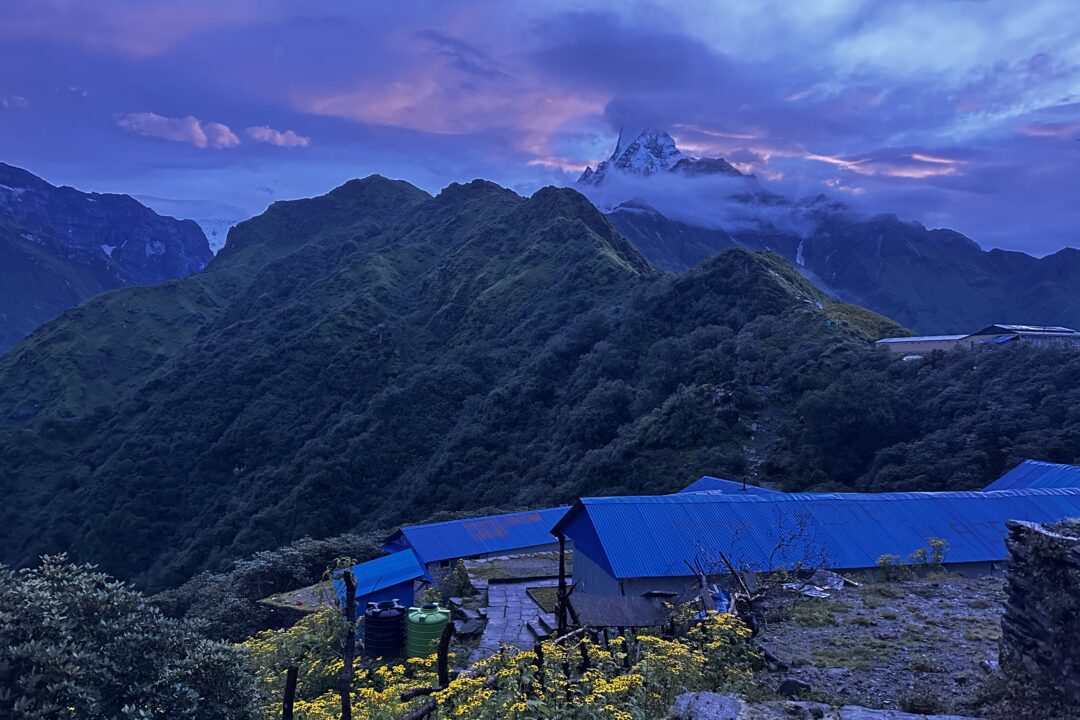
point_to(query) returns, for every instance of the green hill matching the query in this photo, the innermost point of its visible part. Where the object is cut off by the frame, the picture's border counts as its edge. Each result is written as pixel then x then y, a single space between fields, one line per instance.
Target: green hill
pixel 376 355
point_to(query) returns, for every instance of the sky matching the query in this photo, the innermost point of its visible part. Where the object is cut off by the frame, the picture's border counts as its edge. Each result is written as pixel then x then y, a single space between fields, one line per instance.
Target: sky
pixel 961 114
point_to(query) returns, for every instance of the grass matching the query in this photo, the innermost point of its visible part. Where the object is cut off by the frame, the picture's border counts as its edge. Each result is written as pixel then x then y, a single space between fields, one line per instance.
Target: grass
pixel 872 602
pixel 546 597
pixel 856 654
pixel 818 612
pixel 924 663
pixel 884 590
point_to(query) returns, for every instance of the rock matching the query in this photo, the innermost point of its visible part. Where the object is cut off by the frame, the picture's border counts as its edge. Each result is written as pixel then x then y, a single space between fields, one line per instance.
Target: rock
pixel 792 687
pixel 468 628
pixel 813 710
pixel 854 712
pixel 706 706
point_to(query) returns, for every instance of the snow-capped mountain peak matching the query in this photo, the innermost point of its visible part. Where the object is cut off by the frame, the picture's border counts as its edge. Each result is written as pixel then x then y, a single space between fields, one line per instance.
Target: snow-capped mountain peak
pixel 649 151
pixel 645 152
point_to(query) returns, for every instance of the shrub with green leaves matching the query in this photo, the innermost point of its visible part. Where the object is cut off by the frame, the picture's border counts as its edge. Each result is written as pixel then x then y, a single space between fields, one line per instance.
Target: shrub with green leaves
pixel 75 644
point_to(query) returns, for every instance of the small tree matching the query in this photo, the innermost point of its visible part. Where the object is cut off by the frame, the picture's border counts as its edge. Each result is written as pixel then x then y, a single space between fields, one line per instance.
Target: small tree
pixel 76 643
pixel 458 583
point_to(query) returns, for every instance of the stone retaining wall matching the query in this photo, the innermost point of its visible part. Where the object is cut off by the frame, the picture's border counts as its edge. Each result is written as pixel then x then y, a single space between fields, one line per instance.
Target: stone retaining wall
pixel 1040 630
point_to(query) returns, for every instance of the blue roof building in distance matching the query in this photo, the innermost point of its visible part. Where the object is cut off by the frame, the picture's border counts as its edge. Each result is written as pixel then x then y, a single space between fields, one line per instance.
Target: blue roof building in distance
pixel 633 545
pixel 490 535
pixel 1037 474
pixel 707 483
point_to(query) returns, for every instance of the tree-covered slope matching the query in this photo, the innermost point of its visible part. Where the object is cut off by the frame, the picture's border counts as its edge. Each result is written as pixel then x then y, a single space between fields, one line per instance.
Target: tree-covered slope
pixel 373 356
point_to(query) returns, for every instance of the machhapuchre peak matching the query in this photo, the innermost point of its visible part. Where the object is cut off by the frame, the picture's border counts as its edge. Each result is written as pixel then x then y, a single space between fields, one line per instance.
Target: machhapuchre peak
pixel 933 281
pixel 660 361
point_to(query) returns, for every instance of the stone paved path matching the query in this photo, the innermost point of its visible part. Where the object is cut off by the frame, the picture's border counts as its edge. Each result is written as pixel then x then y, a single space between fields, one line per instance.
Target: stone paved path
pixel 509 608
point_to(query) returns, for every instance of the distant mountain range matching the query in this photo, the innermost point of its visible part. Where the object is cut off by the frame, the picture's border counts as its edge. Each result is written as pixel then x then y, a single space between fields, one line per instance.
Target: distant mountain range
pixel 933 281
pixel 60 246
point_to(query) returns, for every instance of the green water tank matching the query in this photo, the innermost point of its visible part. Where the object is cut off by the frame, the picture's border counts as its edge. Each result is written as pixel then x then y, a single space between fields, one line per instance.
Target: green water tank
pixel 425 626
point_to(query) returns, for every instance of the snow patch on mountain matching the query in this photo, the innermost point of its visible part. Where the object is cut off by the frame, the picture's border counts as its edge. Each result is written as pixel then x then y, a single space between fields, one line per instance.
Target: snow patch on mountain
pixel 216 231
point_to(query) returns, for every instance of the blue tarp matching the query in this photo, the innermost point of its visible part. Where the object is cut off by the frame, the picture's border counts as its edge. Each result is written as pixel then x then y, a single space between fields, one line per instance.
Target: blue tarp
pixel 393 572
pixel 720 485
pixel 477 536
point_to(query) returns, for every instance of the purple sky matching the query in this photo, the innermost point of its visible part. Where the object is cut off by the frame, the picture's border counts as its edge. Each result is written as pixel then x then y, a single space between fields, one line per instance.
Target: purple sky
pixel 957 114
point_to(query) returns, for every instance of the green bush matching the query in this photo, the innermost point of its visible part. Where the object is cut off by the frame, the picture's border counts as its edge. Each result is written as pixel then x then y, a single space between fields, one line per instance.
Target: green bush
pixel 76 644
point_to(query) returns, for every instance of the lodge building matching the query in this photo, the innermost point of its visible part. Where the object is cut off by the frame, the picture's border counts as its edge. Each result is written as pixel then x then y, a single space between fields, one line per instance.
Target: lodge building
pixel 988 338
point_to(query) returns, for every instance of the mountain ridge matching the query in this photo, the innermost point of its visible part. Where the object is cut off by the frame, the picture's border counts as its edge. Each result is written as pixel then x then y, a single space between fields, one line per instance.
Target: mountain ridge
pixel 60 246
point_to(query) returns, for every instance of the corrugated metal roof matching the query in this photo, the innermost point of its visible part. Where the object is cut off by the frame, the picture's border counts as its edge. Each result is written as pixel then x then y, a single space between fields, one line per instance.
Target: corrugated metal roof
pixel 384 572
pixel 1055 330
pixel 1037 329
pixel 922 338
pixel 1037 474
pixel 655 536
pixel 478 536
pixel 720 485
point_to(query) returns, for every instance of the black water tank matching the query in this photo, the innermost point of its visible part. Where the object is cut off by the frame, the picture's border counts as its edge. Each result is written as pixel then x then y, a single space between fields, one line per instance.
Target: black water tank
pixel 384 629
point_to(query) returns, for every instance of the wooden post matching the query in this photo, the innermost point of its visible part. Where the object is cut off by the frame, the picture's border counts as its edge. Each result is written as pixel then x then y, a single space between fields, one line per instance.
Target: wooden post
pixel 290 693
pixel 538 649
pixel 349 650
pixel 442 660
pixel 561 622
pixel 586 661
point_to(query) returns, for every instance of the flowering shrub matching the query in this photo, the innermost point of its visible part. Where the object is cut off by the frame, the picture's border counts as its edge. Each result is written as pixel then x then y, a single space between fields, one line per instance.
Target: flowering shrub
pixel 578 679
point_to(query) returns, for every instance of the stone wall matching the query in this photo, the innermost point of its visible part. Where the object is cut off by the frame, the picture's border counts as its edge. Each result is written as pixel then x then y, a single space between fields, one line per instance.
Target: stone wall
pixel 1040 630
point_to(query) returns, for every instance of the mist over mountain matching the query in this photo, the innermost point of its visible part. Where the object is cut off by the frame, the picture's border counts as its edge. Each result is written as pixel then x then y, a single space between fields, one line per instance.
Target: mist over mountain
pixel 934 281
pixel 60 246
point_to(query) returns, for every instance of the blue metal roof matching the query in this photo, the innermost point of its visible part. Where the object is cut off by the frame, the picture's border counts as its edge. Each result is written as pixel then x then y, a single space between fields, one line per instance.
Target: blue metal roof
pixel 1037 474
pixel 720 485
pixel 384 572
pixel 655 536
pixel 478 536
pixel 922 338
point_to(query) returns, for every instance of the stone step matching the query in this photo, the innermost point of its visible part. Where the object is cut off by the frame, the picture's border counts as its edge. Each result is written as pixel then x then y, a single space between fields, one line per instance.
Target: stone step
pixel 547 622
pixel 534 628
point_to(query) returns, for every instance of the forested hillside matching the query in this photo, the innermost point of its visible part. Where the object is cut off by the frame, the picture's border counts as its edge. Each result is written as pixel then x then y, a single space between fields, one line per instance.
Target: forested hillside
pixel 376 355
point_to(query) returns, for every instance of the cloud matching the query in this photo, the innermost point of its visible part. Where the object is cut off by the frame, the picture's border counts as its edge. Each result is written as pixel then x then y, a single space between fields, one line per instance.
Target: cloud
pixel 14 102
pixel 136 29
pixel 186 129
pixel 265 134
pixel 855 98
pixel 1059 130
